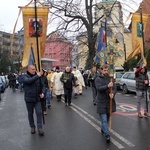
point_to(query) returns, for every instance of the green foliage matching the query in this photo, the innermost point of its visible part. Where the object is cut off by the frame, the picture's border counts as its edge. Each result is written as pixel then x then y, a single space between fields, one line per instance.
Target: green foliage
pixel 129 65
pixel 132 63
pixel 5 62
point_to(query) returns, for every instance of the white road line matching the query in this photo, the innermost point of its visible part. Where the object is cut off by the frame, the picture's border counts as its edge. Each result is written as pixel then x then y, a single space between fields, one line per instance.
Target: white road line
pixel 97 127
pixel 2 102
pixel 112 131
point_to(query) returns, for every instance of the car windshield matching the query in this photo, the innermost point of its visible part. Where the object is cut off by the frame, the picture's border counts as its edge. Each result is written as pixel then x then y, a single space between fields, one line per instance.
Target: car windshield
pixel 119 74
pixel 1 80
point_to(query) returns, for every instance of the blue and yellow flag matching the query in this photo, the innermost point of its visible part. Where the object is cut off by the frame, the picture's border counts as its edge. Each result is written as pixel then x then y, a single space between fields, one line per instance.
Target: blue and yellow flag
pixel 100 43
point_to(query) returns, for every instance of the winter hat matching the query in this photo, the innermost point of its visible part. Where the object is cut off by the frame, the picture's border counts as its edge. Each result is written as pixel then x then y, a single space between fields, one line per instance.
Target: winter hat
pixel 57 67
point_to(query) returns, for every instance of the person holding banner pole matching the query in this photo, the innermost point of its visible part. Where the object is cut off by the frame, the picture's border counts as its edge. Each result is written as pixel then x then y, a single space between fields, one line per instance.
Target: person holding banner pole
pixel 142 82
pixel 33 93
pixel 103 85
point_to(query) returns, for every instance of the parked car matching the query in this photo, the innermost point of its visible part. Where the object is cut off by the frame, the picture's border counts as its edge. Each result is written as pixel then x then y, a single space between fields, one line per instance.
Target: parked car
pixel 127 82
pixel 117 77
pixel 5 81
pixel 2 86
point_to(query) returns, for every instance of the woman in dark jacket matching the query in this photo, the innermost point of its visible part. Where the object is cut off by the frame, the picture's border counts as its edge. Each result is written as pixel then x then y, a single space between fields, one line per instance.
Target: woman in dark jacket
pixel 103 85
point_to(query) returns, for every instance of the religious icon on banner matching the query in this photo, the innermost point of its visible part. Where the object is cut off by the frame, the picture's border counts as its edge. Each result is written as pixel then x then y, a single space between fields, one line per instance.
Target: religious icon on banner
pixel 35 26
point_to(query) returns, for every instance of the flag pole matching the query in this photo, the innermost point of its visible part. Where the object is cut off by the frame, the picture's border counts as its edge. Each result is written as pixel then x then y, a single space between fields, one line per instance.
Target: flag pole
pixel 143 53
pixel 37 40
pixel 38 54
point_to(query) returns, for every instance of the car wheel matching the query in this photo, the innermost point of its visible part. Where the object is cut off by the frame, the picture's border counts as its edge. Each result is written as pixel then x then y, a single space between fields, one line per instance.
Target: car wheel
pixel 125 89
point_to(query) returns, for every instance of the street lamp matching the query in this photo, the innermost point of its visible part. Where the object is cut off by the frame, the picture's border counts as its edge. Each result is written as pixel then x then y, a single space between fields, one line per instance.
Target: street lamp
pixel 120 38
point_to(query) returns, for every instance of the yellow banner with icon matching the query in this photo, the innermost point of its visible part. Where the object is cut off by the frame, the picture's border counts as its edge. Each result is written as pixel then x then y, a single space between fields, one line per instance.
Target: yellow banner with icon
pixel 34 26
pixel 137 38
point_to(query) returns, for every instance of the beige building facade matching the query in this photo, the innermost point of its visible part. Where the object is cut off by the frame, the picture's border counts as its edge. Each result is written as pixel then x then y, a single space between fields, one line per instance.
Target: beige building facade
pixel 115 30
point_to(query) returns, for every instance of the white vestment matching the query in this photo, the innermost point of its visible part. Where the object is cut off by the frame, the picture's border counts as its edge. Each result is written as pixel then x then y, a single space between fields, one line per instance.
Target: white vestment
pixel 80 79
pixel 58 88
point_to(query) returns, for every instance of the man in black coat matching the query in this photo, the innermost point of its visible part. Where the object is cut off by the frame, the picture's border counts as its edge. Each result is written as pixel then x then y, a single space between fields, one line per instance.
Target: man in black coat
pixel 69 81
pixel 34 91
pixel 92 76
pixel 103 85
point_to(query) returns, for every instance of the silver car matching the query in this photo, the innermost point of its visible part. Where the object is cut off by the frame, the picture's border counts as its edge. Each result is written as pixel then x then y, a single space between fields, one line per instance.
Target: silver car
pixel 117 77
pixel 128 83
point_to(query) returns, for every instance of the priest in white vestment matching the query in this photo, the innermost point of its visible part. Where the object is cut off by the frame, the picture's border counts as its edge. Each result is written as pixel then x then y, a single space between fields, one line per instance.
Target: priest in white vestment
pixel 57 85
pixel 80 79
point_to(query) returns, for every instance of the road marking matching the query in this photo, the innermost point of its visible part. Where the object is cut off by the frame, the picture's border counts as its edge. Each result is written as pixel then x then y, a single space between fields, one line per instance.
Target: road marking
pixel 99 129
pixel 127 95
pixel 2 103
pixel 96 127
pixel 112 131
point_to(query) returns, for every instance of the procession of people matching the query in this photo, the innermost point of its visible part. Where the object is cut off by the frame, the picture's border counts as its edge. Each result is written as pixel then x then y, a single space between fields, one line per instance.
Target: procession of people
pixel 41 87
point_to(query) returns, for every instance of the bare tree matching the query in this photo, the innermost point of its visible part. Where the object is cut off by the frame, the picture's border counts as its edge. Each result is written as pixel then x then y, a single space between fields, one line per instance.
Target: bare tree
pixel 74 17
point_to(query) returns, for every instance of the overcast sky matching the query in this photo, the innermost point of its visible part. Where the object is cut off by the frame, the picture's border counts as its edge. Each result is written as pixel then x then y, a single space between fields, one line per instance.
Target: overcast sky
pixel 9 11
pixel 8 14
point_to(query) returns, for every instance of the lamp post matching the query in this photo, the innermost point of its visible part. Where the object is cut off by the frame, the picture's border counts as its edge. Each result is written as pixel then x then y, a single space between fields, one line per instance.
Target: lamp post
pixel 120 38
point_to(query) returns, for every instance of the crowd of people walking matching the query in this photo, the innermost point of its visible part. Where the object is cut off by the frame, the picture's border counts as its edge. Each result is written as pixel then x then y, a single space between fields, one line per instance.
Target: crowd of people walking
pixel 40 87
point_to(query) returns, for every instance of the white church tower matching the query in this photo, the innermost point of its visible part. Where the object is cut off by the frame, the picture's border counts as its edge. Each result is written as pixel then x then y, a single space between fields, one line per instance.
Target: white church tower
pixel 110 12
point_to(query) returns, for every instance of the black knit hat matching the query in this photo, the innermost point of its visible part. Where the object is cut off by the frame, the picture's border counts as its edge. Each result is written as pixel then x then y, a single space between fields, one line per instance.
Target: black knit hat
pixel 57 67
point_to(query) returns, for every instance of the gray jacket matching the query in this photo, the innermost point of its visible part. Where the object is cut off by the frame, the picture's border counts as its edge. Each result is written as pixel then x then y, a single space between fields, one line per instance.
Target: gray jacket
pixel 103 99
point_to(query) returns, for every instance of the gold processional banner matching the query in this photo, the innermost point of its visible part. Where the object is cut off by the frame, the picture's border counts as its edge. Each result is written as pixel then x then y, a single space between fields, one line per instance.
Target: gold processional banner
pixel 30 29
pixel 137 39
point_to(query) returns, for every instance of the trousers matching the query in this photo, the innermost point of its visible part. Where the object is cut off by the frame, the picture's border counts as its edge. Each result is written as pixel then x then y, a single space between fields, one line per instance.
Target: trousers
pixel 104 118
pixel 141 96
pixel 38 110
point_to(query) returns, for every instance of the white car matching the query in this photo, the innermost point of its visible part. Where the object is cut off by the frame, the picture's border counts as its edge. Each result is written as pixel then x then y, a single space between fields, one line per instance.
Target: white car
pixel 128 83
pixel 5 81
pixel 117 77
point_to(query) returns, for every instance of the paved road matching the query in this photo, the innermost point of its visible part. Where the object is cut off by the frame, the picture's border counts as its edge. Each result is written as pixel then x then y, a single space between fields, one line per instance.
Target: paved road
pixel 72 128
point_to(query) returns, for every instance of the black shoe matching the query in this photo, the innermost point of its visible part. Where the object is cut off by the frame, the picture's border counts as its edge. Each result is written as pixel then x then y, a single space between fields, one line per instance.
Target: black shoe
pixel 80 93
pixel 102 132
pixel 49 106
pixel 69 105
pixel 94 103
pixel 75 95
pixel 108 138
pixel 32 130
pixel 58 100
pixel 40 132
